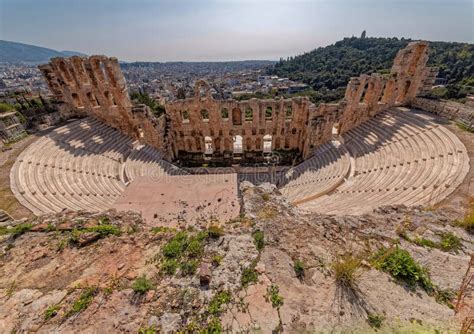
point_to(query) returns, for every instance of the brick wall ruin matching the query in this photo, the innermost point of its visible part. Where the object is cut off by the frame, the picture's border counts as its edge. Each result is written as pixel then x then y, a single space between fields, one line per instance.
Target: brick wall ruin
pixel 202 125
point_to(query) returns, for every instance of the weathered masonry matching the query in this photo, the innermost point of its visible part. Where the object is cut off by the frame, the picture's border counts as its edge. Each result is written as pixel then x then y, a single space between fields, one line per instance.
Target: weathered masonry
pixel 230 129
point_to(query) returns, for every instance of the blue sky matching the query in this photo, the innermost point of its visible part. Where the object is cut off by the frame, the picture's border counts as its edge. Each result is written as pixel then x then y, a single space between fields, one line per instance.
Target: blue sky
pixel 164 30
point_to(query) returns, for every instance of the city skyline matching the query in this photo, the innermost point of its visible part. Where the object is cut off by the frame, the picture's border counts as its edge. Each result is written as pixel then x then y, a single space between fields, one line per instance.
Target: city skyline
pixel 209 30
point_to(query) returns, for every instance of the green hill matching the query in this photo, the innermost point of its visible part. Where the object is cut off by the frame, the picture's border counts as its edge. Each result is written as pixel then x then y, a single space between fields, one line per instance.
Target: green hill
pixel 328 69
pixel 13 52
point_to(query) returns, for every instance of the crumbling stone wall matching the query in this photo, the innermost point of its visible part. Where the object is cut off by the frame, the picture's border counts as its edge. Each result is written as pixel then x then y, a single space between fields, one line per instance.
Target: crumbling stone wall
pixel 95 86
pixel 368 95
pixel 461 113
pixel 201 119
pixel 10 127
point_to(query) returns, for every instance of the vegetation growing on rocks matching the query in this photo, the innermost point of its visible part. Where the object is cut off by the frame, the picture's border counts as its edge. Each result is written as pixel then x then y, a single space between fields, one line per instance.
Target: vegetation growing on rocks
pixel 142 284
pixel 85 299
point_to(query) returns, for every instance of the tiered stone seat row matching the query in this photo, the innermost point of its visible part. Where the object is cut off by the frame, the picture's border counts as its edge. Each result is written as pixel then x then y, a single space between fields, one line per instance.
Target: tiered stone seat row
pixel 318 175
pixel 146 161
pixel 400 158
pixel 76 166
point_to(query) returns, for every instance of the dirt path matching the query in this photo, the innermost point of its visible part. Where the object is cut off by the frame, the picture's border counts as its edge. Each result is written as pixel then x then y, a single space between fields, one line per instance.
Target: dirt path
pixel 8 202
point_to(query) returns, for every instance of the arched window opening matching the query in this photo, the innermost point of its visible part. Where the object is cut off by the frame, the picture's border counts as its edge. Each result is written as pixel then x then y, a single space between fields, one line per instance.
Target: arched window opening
pixel 217 144
pixel 238 149
pixel 268 113
pixel 277 143
pixel 236 116
pixel 289 113
pixel 225 114
pixel 267 144
pixel 141 134
pixel 336 128
pixel 189 144
pixel 287 142
pixel 364 91
pixel 258 144
pixel 197 141
pixel 76 100
pixel 227 144
pixel 406 87
pixel 65 72
pixel 185 116
pixel 209 148
pixel 205 115
pixel 110 98
pixel 248 143
pixel 249 114
pixel 369 92
pixel 92 100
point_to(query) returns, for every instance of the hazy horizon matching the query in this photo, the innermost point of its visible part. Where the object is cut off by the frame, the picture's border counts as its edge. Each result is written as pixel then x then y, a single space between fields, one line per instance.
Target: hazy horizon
pixel 225 30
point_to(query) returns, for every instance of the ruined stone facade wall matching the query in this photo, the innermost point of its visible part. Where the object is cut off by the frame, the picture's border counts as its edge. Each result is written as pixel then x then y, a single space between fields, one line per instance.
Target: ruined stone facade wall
pixel 461 113
pixel 194 119
pixel 95 86
pixel 368 95
pixel 11 128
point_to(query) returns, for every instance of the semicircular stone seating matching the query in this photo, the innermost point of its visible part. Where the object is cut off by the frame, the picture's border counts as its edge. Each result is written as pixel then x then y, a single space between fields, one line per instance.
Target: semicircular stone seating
pixel 318 175
pixel 400 157
pixel 80 166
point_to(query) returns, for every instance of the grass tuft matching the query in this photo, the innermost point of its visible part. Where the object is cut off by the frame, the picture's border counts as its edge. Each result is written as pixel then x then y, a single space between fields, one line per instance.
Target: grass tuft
pixel 345 268
pixel 142 285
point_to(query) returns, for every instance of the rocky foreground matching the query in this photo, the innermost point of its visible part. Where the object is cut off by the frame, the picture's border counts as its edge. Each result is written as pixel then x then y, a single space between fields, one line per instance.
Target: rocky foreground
pixel 272 269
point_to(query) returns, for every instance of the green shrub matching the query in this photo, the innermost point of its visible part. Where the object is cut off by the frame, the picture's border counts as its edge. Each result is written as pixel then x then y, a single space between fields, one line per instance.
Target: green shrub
pixel 344 269
pixel 375 320
pixel 142 285
pixel 425 242
pixel 162 229
pixel 299 268
pixel 84 300
pixel 5 107
pixel 176 246
pixel 467 223
pixel 169 266
pixel 147 330
pixel 215 231
pixel 399 263
pixel 16 230
pixel 216 260
pixel 249 275
pixel 104 230
pixel 450 242
pixel 273 296
pixel 219 299
pixel 188 268
pixel 259 240
pixel 51 312
pixel 195 248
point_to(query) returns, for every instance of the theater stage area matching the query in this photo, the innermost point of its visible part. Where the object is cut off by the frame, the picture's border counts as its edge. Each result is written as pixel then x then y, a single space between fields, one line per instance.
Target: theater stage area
pixel 182 199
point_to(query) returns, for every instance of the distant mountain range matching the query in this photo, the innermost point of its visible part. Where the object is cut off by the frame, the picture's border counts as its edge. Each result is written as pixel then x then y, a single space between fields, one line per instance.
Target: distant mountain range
pixel 13 52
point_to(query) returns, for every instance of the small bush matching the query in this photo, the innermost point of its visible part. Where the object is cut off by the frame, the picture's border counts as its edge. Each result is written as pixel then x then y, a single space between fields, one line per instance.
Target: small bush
pixel 51 312
pixel 162 229
pixel 259 240
pixel 188 268
pixel 450 242
pixel 399 263
pixel 104 230
pixel 216 260
pixel 249 275
pixel 84 300
pixel 467 223
pixel 375 320
pixel 147 330
pixel 445 297
pixel 215 231
pixel 219 299
pixel 169 266
pixel 195 248
pixel 425 242
pixel 16 230
pixel 299 268
pixel 345 269
pixel 273 296
pixel 265 197
pixel 142 285
pixel 176 246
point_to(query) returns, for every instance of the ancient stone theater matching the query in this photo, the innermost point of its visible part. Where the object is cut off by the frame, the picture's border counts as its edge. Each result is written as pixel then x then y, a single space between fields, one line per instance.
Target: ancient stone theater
pixel 369 150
